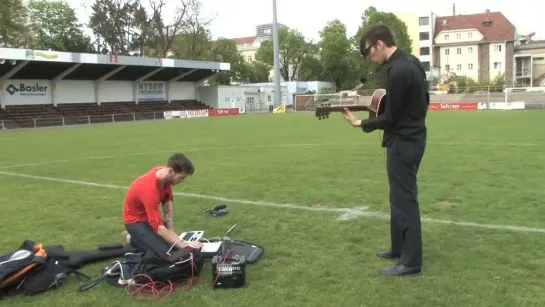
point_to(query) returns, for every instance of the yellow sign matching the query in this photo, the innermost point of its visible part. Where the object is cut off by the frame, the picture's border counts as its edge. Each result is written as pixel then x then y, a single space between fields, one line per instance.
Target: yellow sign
pixel 280 109
pixel 31 55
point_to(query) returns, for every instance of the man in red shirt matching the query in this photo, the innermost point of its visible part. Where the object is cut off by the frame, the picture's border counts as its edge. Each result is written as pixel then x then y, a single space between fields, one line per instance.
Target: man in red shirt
pixel 145 226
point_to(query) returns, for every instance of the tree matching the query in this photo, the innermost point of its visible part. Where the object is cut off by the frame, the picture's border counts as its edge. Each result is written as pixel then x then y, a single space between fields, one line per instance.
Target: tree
pixel 255 71
pixel 225 50
pixel 194 41
pixel 111 21
pixel 311 68
pixel 185 21
pixel 292 50
pixel 55 26
pixel 370 17
pixel 13 29
pixel 335 54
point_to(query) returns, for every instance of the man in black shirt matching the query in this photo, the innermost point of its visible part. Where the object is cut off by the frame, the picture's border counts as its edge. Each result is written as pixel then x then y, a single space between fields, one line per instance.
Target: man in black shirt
pixel 404 126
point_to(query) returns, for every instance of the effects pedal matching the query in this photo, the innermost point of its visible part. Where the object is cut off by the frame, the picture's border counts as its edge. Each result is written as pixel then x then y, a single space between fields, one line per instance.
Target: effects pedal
pixel 228 273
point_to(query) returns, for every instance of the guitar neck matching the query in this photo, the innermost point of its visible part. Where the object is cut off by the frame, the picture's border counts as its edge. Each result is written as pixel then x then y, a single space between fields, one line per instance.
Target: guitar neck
pixel 352 108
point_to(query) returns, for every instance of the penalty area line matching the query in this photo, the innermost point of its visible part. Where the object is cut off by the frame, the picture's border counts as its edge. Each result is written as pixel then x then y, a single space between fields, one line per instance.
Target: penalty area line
pixel 345 213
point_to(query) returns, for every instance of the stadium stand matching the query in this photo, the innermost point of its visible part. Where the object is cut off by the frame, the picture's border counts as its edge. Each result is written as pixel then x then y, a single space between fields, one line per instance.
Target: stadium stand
pixel 49 88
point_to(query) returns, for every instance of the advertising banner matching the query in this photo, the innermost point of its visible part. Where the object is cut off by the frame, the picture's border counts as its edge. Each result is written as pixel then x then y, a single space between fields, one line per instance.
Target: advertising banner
pixel 185 114
pixel 454 106
pixel 26 92
pixel 152 90
pixel 195 113
pixel 516 105
pixel 223 112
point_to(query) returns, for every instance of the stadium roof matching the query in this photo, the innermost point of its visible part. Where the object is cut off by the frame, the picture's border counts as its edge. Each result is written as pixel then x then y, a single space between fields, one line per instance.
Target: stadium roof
pixel 30 64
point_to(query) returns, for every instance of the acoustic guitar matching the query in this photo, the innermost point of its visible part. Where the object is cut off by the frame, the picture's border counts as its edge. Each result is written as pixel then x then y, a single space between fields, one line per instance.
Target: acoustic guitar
pixel 375 108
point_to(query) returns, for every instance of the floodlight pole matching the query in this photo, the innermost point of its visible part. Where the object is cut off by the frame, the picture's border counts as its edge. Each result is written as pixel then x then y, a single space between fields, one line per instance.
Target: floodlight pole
pixel 277 76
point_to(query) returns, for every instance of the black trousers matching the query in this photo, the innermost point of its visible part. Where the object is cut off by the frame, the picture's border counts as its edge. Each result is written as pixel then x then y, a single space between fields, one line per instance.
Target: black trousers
pixel 143 237
pixel 403 161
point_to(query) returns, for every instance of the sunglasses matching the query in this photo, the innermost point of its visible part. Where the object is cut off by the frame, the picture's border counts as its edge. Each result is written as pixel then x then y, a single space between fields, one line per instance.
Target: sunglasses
pixel 365 52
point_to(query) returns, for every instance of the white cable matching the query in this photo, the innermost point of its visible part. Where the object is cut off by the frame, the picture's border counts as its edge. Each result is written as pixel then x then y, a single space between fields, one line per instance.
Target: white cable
pixel 168 252
pixel 184 261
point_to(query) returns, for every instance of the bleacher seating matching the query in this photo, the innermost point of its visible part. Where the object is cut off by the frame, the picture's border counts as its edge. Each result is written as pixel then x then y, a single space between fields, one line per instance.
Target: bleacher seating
pixel 27 116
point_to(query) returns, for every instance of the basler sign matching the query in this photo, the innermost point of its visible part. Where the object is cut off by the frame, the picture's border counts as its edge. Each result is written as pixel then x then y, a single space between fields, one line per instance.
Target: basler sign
pixel 26 89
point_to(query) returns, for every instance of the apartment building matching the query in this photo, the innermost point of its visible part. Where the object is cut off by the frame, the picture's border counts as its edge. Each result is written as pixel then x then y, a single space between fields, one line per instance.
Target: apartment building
pixel 420 27
pixel 479 46
pixel 248 46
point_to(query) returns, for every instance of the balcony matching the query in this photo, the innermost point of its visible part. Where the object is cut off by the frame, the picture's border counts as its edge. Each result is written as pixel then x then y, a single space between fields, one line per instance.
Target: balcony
pixel 523 67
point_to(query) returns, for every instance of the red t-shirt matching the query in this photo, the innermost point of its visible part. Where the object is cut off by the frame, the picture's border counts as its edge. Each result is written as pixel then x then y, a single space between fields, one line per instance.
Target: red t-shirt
pixel 143 199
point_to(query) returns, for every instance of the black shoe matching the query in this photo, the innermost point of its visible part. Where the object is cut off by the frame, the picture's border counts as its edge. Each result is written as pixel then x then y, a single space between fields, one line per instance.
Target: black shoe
pixel 388 254
pixel 401 270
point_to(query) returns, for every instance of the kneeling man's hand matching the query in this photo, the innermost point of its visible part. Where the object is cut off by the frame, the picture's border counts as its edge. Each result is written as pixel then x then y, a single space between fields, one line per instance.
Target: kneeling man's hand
pixel 195 245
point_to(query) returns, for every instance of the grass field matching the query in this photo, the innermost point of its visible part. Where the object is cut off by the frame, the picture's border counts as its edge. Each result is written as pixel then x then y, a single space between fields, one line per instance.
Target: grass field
pixel 479 168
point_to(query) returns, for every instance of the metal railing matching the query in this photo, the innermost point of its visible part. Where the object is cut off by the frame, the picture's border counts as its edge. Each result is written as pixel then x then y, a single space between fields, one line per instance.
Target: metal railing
pixel 42 122
pixel 533 98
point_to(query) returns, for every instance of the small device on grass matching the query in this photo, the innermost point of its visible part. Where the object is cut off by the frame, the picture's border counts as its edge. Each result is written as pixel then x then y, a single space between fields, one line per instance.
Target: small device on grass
pixel 228 268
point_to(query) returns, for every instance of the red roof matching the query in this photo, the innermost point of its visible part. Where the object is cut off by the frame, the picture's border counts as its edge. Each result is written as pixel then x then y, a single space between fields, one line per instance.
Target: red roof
pixel 240 40
pixel 244 40
pixel 494 26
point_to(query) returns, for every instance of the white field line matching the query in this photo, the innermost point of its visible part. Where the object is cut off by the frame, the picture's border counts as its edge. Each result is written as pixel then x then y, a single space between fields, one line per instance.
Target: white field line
pixel 346 213
pixel 247 146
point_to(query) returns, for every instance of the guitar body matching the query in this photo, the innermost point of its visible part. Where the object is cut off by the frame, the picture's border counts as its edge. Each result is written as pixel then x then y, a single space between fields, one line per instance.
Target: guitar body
pixel 378 103
pixel 375 108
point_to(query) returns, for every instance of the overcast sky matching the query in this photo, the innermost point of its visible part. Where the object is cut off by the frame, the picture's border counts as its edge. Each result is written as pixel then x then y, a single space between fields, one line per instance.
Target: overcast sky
pixel 238 18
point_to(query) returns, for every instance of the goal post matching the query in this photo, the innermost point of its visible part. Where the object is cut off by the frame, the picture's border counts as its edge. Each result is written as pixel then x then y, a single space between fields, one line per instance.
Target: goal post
pixel 530 97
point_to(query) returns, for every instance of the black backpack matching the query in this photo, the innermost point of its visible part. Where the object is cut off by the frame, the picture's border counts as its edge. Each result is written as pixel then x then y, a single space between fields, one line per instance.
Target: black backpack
pixel 144 267
pixel 35 274
pixel 180 265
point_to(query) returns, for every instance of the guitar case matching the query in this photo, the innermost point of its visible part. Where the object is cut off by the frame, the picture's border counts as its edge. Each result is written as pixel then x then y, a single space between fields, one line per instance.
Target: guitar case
pixel 78 259
pixel 250 251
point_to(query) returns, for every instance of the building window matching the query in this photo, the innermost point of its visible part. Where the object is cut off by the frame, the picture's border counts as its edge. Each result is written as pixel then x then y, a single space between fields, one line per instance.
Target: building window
pixel 425 65
pixel 497 48
pixel 459 67
pixel 424 21
pixel 425 51
pixel 249 58
pixel 469 66
pixel 458 50
pixel 458 35
pixel 469 34
pixel 497 65
pixel 470 50
pixel 447 51
pixel 446 37
pixel 424 36
pixel 447 67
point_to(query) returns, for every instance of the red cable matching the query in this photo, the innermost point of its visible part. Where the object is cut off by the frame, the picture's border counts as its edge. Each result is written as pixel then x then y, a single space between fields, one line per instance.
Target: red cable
pixel 156 288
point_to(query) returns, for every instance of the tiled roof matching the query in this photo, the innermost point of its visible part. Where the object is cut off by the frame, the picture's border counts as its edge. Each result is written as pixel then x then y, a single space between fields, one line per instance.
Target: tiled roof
pixel 240 40
pixel 494 26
